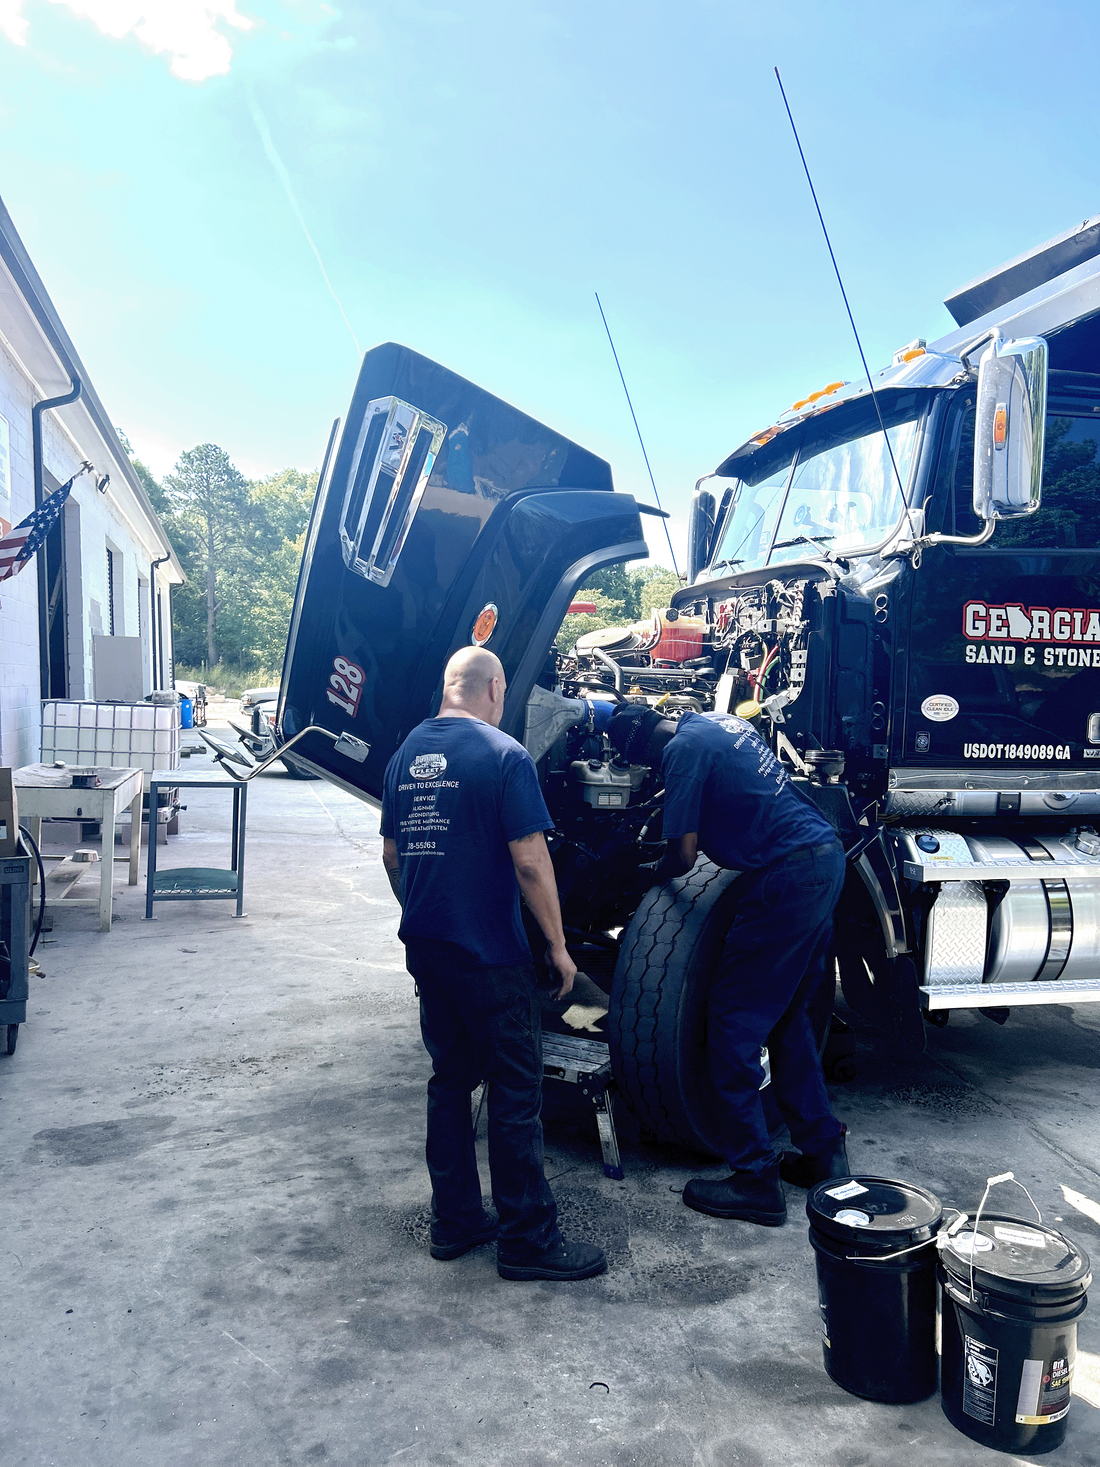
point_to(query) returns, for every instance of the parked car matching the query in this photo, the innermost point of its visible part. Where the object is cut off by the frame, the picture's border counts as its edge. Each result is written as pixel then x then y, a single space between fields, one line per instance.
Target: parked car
pixel 260 738
pixel 251 696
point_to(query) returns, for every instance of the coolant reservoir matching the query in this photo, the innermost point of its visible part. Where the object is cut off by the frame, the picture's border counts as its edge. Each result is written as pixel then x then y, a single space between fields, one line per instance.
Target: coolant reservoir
pixel 677 640
pixel 603 786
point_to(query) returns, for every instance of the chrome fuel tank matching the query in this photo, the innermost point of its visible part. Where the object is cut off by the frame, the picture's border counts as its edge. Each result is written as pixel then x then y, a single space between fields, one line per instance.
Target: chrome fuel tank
pixel 1008 911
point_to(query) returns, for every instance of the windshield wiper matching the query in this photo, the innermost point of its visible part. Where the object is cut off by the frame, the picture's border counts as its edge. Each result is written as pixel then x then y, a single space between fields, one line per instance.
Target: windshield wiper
pixel 719 563
pixel 805 540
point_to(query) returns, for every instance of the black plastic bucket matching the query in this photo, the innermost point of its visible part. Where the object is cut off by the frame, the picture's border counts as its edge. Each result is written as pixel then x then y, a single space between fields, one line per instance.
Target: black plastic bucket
pixel 1008 1347
pixel 878 1312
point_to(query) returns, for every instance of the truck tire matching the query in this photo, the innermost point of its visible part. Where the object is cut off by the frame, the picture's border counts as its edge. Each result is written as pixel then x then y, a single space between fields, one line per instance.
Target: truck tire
pixel 297 771
pixel 656 1023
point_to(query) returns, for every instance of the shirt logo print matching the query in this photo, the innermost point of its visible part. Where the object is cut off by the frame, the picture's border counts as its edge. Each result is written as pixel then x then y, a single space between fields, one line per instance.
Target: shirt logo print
pixel 428 766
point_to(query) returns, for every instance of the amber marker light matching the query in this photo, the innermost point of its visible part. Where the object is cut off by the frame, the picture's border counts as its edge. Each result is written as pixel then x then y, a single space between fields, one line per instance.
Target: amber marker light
pixel 1000 425
pixel 485 625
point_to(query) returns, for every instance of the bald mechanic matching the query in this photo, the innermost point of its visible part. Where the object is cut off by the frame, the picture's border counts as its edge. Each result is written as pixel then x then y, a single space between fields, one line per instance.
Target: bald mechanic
pixel 728 796
pixel 463 822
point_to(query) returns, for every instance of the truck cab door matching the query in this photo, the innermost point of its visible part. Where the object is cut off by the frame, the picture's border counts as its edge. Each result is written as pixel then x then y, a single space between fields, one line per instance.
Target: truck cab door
pixel 445 517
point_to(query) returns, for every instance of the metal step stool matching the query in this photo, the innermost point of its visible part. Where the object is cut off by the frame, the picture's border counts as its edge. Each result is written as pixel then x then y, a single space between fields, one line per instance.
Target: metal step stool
pixel 587 1063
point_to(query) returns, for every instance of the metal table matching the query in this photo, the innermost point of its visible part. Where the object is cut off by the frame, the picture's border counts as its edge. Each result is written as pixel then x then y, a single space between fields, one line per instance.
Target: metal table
pixel 198 883
pixel 45 792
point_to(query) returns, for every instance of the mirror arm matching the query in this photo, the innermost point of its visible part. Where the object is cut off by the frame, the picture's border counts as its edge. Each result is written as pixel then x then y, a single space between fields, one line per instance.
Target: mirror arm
pixel 968 348
pixel 981 538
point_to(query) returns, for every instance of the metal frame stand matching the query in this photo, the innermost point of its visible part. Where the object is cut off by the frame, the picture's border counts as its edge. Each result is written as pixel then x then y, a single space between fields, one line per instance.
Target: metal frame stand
pixel 198 883
pixel 587 1063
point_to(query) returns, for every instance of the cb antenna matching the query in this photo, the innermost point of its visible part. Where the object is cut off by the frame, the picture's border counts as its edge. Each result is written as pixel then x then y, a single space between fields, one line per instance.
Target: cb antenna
pixel 638 430
pixel 840 282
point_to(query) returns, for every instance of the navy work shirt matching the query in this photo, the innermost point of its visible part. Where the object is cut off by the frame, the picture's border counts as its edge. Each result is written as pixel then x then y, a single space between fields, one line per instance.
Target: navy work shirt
pixel 455 793
pixel 722 780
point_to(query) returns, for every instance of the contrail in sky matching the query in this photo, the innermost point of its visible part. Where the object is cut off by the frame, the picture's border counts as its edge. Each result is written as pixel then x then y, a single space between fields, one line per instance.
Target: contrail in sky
pixel 284 178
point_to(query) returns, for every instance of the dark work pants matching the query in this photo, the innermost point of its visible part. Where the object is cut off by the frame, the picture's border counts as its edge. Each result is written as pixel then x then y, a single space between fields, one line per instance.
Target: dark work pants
pixel 481 1023
pixel 772 962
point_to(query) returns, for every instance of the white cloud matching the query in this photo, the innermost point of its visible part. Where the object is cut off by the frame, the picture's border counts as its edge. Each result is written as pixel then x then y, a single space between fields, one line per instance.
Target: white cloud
pixel 186 30
pixel 12 23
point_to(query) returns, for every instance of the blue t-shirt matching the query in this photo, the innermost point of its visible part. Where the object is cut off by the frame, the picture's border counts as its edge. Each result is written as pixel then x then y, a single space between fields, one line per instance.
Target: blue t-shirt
pixel 455 793
pixel 722 780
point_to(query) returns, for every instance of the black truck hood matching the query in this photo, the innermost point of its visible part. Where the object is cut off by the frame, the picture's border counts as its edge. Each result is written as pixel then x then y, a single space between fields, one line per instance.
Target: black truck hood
pixel 438 502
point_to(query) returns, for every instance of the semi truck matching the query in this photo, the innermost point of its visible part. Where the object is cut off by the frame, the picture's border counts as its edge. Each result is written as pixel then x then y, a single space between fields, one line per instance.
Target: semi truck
pixel 897 582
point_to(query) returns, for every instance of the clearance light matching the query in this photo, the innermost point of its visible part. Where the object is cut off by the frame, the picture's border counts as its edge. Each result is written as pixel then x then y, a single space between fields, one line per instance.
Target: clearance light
pixel 1000 425
pixel 814 396
pixel 911 349
pixel 765 436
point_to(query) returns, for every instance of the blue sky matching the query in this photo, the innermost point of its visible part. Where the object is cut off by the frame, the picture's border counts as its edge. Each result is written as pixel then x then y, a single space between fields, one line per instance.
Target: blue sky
pixel 471 172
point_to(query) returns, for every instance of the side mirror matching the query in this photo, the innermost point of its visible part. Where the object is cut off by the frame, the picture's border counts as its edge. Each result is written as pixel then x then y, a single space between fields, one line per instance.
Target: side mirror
pixel 1008 432
pixel 701 516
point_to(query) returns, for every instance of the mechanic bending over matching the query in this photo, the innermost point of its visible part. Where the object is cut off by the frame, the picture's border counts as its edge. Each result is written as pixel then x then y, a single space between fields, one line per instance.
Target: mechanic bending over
pixel 463 822
pixel 728 796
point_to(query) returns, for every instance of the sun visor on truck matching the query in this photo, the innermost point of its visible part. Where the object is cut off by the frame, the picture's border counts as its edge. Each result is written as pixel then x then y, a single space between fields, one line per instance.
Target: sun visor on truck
pixel 444 517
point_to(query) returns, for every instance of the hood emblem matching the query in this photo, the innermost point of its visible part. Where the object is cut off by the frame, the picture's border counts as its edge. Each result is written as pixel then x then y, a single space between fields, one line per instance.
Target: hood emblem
pixel 485 625
pixel 428 766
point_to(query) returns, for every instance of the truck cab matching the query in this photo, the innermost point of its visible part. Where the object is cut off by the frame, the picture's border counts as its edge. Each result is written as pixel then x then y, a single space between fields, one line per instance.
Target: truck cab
pixel 897 586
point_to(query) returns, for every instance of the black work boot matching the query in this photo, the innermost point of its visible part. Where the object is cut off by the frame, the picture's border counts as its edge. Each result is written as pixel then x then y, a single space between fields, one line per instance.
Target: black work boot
pixel 754 1197
pixel 487 1231
pixel 806 1169
pixel 563 1262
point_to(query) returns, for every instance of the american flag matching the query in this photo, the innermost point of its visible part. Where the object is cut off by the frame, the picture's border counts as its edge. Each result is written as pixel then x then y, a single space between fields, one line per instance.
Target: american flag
pixel 23 542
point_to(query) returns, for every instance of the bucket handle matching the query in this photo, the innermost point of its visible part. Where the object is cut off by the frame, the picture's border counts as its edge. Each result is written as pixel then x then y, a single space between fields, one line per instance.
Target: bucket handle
pixel 948 1232
pixel 996 1182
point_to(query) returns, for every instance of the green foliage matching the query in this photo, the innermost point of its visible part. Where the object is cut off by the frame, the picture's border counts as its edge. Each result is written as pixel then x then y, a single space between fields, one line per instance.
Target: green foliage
pixel 656 588
pixel 240 545
pixel 1069 516
pixel 230 682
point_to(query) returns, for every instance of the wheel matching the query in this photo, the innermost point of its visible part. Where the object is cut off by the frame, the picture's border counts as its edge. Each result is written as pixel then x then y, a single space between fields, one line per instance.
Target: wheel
pixel 842 1071
pixel 656 1023
pixel 13 1037
pixel 296 771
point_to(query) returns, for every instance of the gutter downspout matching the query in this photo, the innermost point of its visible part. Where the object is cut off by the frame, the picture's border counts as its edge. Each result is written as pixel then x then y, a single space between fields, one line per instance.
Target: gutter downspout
pixel 156 649
pixel 39 494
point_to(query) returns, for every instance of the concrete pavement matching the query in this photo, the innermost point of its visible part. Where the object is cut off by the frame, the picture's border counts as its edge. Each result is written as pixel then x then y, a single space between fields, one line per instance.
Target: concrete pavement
pixel 213 1210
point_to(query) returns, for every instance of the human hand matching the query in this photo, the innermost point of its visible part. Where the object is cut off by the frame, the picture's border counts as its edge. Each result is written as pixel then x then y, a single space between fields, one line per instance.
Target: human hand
pixel 563 968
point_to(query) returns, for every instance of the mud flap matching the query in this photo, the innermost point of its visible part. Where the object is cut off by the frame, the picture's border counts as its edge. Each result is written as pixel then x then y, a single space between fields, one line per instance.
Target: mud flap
pixel 883 990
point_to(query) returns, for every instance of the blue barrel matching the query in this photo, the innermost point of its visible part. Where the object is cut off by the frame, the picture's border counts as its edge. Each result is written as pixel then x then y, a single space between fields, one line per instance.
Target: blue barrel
pixel 187 712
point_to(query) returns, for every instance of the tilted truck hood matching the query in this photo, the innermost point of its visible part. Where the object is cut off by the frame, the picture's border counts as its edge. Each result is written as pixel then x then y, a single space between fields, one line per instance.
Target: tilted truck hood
pixel 438 502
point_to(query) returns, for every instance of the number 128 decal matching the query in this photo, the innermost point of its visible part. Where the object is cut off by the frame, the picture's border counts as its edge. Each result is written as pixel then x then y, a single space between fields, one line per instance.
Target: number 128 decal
pixel 345 685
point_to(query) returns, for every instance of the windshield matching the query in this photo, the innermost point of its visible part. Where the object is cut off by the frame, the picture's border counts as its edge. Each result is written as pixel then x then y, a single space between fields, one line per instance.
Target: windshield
pixel 841 497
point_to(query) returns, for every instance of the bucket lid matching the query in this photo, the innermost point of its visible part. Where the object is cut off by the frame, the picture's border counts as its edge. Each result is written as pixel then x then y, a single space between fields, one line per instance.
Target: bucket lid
pixel 1018 1259
pixel 873 1210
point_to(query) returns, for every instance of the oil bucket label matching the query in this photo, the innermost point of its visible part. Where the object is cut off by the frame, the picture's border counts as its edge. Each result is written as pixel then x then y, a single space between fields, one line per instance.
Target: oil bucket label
pixel 1044 1392
pixel 849 1189
pixel 1027 1236
pixel 980 1380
